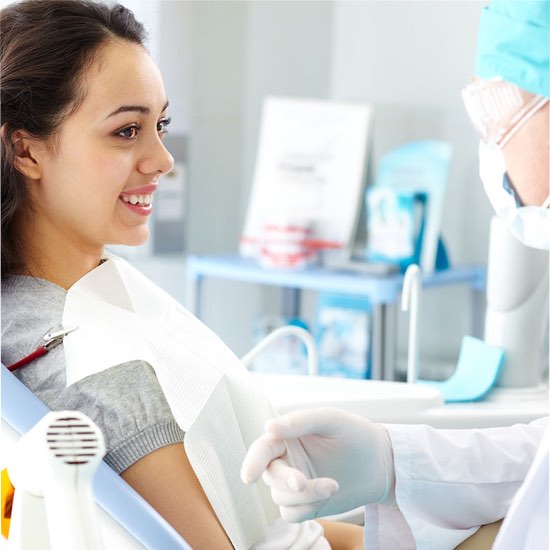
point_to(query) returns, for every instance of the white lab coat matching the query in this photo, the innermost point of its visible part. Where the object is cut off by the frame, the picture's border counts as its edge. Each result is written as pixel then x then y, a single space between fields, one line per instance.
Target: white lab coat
pixel 449 482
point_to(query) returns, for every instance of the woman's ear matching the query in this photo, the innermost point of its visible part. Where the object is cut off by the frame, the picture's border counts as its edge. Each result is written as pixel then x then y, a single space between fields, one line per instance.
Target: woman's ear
pixel 28 152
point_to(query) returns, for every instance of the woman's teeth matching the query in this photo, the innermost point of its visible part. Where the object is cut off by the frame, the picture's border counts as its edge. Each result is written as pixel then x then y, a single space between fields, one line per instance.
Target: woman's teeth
pixel 144 200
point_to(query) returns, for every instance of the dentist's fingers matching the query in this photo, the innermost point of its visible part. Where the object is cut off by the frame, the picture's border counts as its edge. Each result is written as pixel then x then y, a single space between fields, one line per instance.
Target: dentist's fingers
pixel 261 453
pixel 297 514
pixel 279 475
pixel 323 421
pixel 315 493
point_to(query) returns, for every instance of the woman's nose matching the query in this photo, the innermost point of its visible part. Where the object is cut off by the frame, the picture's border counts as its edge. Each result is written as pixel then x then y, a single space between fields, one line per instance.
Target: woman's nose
pixel 156 159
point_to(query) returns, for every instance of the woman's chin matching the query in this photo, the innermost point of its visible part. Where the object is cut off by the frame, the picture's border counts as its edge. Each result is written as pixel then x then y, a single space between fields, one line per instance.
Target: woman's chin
pixel 136 238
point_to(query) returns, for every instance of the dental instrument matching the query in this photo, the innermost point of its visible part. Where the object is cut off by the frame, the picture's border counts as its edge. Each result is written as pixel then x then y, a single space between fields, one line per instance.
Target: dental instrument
pixel 51 340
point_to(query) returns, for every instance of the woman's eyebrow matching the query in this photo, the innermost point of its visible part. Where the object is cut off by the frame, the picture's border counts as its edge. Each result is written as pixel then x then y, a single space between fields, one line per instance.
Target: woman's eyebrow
pixel 130 108
pixel 135 108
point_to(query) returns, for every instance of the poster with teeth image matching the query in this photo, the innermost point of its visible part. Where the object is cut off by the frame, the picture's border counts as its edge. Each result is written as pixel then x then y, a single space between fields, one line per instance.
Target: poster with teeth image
pixel 310 172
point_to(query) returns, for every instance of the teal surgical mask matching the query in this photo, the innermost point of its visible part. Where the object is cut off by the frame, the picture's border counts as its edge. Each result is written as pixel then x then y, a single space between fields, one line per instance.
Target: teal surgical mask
pixel 530 224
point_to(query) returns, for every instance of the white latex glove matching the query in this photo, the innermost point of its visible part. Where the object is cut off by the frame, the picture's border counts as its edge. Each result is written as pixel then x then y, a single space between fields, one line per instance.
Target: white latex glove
pixel 351 457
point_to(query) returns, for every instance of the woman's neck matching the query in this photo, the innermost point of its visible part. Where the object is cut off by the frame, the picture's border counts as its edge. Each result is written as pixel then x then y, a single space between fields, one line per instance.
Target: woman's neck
pixel 58 257
pixel 59 260
pixel 64 272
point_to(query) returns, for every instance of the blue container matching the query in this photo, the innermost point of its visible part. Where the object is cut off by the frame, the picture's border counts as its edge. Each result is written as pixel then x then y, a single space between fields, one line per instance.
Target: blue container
pixel 343 335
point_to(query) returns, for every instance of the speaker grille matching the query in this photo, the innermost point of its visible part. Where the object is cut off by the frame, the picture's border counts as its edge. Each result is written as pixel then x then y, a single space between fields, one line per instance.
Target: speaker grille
pixel 73 440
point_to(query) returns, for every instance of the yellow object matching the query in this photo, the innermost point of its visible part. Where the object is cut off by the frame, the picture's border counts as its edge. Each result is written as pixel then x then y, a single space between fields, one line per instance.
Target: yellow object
pixel 7 500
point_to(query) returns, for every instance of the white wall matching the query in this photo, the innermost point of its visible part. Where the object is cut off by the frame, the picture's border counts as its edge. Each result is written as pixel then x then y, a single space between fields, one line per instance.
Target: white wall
pixel 218 77
pixel 168 24
pixel 174 59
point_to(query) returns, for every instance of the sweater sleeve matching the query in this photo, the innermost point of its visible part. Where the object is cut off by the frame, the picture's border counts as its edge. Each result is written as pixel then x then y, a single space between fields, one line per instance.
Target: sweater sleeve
pixel 128 404
pixel 125 401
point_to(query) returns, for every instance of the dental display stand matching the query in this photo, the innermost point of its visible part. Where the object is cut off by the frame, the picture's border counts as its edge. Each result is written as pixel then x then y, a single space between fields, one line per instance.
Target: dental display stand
pixel 382 291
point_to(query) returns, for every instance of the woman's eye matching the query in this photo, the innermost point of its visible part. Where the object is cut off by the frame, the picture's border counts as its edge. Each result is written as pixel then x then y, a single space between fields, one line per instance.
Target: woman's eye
pixel 128 133
pixel 163 124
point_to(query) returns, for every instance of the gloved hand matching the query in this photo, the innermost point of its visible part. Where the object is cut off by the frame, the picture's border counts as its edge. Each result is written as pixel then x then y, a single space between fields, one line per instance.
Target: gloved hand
pixel 351 458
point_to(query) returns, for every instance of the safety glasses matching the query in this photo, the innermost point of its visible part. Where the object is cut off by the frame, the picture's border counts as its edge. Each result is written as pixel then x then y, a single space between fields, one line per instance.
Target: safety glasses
pixel 499 109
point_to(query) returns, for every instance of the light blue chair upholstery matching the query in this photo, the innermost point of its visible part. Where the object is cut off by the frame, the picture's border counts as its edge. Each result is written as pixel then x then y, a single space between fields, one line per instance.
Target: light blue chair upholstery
pixel 21 409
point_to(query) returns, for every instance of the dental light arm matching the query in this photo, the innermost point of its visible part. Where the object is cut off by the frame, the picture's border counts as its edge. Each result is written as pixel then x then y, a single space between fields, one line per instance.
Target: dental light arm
pixel 51 468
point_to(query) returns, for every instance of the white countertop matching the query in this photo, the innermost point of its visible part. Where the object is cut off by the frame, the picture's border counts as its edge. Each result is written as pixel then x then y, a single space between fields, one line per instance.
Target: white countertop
pixel 396 402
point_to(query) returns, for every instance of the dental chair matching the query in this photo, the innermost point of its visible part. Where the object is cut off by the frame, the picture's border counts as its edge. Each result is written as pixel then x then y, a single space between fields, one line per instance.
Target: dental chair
pixel 21 409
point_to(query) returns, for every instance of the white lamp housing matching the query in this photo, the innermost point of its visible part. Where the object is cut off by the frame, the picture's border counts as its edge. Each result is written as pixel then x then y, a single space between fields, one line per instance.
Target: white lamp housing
pixel 51 468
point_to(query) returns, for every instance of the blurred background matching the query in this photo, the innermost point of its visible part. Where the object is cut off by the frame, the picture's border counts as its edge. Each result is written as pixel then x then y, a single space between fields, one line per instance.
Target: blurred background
pixel 409 59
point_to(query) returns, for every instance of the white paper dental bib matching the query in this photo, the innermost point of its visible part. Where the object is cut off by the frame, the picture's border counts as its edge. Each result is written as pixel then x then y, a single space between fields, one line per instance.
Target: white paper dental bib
pixel 122 316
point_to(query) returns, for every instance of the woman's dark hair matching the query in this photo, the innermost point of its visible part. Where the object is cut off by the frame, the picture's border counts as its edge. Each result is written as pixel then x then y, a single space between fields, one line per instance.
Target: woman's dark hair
pixel 46 46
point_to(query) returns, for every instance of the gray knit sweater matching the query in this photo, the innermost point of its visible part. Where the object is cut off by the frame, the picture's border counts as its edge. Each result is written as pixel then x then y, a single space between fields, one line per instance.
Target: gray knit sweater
pixel 125 401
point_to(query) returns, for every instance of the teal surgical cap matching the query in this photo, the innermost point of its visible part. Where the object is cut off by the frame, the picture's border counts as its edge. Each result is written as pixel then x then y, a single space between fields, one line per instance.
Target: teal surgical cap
pixel 514 43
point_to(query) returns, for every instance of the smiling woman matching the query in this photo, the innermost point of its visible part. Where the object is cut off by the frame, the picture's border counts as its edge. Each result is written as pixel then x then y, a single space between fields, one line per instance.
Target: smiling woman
pixel 83 117
pixel 84 113
pixel 79 176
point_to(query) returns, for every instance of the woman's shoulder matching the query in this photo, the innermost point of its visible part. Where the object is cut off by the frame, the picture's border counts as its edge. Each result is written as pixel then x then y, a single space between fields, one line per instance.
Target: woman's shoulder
pixel 20 284
pixel 16 288
pixel 30 308
pixel 29 297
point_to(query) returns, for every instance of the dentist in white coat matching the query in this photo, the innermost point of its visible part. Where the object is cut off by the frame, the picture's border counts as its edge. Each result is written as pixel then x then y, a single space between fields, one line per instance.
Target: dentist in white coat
pixel 423 487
